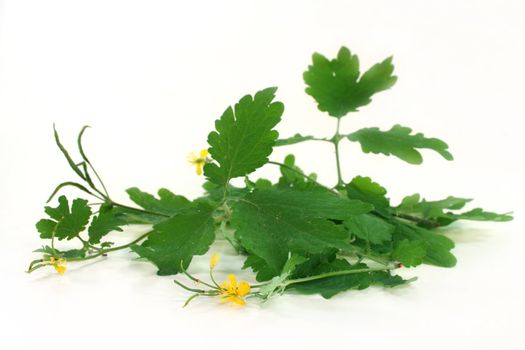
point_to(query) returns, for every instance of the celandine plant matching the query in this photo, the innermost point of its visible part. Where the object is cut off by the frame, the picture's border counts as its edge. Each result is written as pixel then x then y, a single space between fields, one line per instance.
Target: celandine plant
pixel 296 234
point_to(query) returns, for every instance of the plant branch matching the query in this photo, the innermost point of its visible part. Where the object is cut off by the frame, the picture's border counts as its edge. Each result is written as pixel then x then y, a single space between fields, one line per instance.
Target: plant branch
pixel 335 140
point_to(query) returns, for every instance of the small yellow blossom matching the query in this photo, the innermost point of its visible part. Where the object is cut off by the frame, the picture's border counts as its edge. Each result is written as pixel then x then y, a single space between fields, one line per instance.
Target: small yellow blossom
pixel 233 292
pixel 214 260
pixel 59 265
pixel 199 161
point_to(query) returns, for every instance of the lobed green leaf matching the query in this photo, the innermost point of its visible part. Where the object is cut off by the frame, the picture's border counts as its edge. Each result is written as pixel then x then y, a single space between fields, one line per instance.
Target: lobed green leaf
pixel 244 137
pixel 398 142
pixel 338 88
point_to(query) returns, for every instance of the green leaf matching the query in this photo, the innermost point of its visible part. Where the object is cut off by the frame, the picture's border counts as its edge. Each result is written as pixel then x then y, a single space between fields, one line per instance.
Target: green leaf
pixel 60 211
pixel 263 271
pixel 410 253
pixel 293 176
pixel 66 223
pixel 73 253
pixel 277 284
pixel 479 214
pixel 438 210
pixel 167 203
pixel 46 228
pixel 386 279
pixel 106 221
pixel 330 286
pixel 398 142
pixel 430 209
pixel 244 137
pixel 293 140
pixel 271 223
pixel 364 189
pixel 70 161
pixel 338 88
pixel 370 228
pixel 72 224
pixel 438 246
pixel 68 254
pixel 176 240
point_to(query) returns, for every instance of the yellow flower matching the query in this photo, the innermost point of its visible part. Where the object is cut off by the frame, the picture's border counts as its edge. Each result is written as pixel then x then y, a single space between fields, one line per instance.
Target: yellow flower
pixel 199 161
pixel 59 264
pixel 232 292
pixel 214 260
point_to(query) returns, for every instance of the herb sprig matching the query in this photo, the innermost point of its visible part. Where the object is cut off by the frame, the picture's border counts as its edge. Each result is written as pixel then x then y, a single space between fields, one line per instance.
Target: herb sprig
pixel 295 233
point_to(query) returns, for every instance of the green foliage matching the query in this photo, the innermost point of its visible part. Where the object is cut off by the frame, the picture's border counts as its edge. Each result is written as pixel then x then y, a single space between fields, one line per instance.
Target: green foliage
pixel 65 223
pixel 106 221
pixel 174 241
pixel 277 285
pixel 398 142
pixel 370 228
pixel 443 211
pixel 244 137
pixel 293 177
pixel 410 253
pixel 330 286
pixel 296 233
pixel 337 85
pixel 293 140
pixel 167 203
pixel 479 214
pixel 438 247
pixel 271 223
pixel 364 189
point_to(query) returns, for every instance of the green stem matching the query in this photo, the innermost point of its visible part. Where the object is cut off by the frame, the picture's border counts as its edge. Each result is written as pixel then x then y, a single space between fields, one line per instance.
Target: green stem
pixel 190 299
pixel 83 154
pixel 101 252
pixel 335 141
pixel 425 222
pixel 359 252
pixel 196 280
pixel 188 288
pixel 334 274
pixel 213 280
pixel 137 209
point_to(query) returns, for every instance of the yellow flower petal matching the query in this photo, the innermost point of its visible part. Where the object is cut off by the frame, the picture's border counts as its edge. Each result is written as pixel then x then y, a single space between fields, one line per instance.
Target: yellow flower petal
pixel 204 153
pixel 199 168
pixel 61 269
pixel 233 280
pixel 59 265
pixel 243 289
pixel 237 300
pixel 214 260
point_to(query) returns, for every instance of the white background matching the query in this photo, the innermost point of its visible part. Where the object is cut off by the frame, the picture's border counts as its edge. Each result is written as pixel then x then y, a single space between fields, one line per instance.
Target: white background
pixel 150 78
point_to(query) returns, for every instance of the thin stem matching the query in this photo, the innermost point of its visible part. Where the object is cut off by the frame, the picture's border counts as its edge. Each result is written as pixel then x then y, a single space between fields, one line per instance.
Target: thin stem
pixel 190 299
pixel 358 251
pixel 196 280
pixel 425 222
pixel 139 210
pixel 213 280
pixel 36 267
pixel 335 141
pixel 108 250
pixel 188 288
pixel 335 273
pixel 83 154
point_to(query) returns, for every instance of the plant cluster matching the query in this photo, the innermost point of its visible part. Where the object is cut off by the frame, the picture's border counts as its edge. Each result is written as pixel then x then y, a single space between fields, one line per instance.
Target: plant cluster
pixel 296 234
